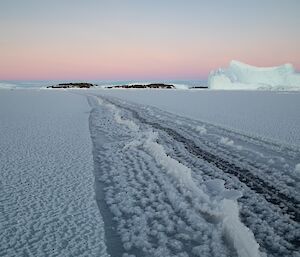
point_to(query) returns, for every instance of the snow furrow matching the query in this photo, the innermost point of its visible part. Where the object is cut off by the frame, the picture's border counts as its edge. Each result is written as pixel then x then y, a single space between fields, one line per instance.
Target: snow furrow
pixel 213 204
pixel 267 218
pixel 287 203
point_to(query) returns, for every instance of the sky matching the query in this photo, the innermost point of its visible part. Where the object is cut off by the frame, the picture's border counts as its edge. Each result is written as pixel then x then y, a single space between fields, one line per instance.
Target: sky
pixel 143 39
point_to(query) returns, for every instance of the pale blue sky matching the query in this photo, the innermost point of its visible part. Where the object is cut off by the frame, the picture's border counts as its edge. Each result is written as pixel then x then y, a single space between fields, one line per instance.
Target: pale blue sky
pixel 183 39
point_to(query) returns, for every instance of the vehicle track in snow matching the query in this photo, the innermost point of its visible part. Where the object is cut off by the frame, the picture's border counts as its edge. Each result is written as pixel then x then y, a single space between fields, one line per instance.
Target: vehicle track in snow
pixel 280 215
pixel 270 197
pixel 151 213
pixel 287 204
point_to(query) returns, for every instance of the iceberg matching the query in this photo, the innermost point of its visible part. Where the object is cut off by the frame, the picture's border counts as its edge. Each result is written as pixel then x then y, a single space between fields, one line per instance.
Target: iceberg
pixel 239 76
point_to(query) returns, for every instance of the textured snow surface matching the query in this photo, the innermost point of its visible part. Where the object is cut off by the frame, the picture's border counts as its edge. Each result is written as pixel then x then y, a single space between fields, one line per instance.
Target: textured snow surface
pixel 180 187
pixel 243 76
pixel 272 115
pixel 148 217
pixel 165 184
pixel 46 180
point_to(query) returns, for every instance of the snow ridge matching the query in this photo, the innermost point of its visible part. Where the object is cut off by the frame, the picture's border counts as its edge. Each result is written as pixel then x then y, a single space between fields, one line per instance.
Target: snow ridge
pixel 221 207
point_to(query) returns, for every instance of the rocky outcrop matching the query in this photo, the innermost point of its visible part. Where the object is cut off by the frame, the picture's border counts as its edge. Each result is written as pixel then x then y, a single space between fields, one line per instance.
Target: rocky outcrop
pixel 153 85
pixel 72 85
pixel 199 87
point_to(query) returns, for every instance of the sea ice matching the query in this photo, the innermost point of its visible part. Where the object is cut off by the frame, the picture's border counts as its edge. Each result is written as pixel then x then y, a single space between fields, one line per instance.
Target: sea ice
pixel 46 179
pixel 268 114
pixel 211 198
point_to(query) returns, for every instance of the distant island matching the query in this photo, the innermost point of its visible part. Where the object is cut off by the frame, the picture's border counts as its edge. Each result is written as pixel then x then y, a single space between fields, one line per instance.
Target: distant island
pixel 153 85
pixel 72 85
pixel 125 86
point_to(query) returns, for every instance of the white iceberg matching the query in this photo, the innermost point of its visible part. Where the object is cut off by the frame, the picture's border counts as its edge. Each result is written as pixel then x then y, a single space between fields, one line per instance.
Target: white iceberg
pixel 243 76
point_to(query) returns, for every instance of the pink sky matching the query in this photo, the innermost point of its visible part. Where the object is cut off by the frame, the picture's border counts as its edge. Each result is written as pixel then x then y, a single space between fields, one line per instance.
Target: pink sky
pixel 119 42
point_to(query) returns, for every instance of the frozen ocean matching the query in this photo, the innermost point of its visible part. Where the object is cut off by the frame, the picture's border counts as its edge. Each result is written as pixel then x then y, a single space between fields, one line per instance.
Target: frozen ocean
pixel 99 172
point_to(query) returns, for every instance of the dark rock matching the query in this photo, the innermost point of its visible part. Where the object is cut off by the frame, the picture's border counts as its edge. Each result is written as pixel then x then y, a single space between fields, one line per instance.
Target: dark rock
pixel 72 85
pixel 153 85
pixel 197 87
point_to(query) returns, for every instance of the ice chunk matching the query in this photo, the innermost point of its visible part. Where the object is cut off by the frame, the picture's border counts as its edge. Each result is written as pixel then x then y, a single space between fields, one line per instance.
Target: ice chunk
pixel 226 141
pixel 201 129
pixel 217 189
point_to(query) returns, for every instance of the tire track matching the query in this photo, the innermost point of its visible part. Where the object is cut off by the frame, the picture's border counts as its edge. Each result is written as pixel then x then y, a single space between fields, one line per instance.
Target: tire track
pixel 287 204
pixel 153 214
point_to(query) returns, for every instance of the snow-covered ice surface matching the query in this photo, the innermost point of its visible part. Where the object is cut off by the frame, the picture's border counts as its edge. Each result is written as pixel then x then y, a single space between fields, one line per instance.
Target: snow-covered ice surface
pixel 47 205
pixel 176 186
pixel 239 76
pixel 166 184
pixel 271 115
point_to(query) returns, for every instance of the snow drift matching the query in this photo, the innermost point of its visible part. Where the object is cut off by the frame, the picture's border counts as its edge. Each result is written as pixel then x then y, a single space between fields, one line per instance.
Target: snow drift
pixel 243 76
